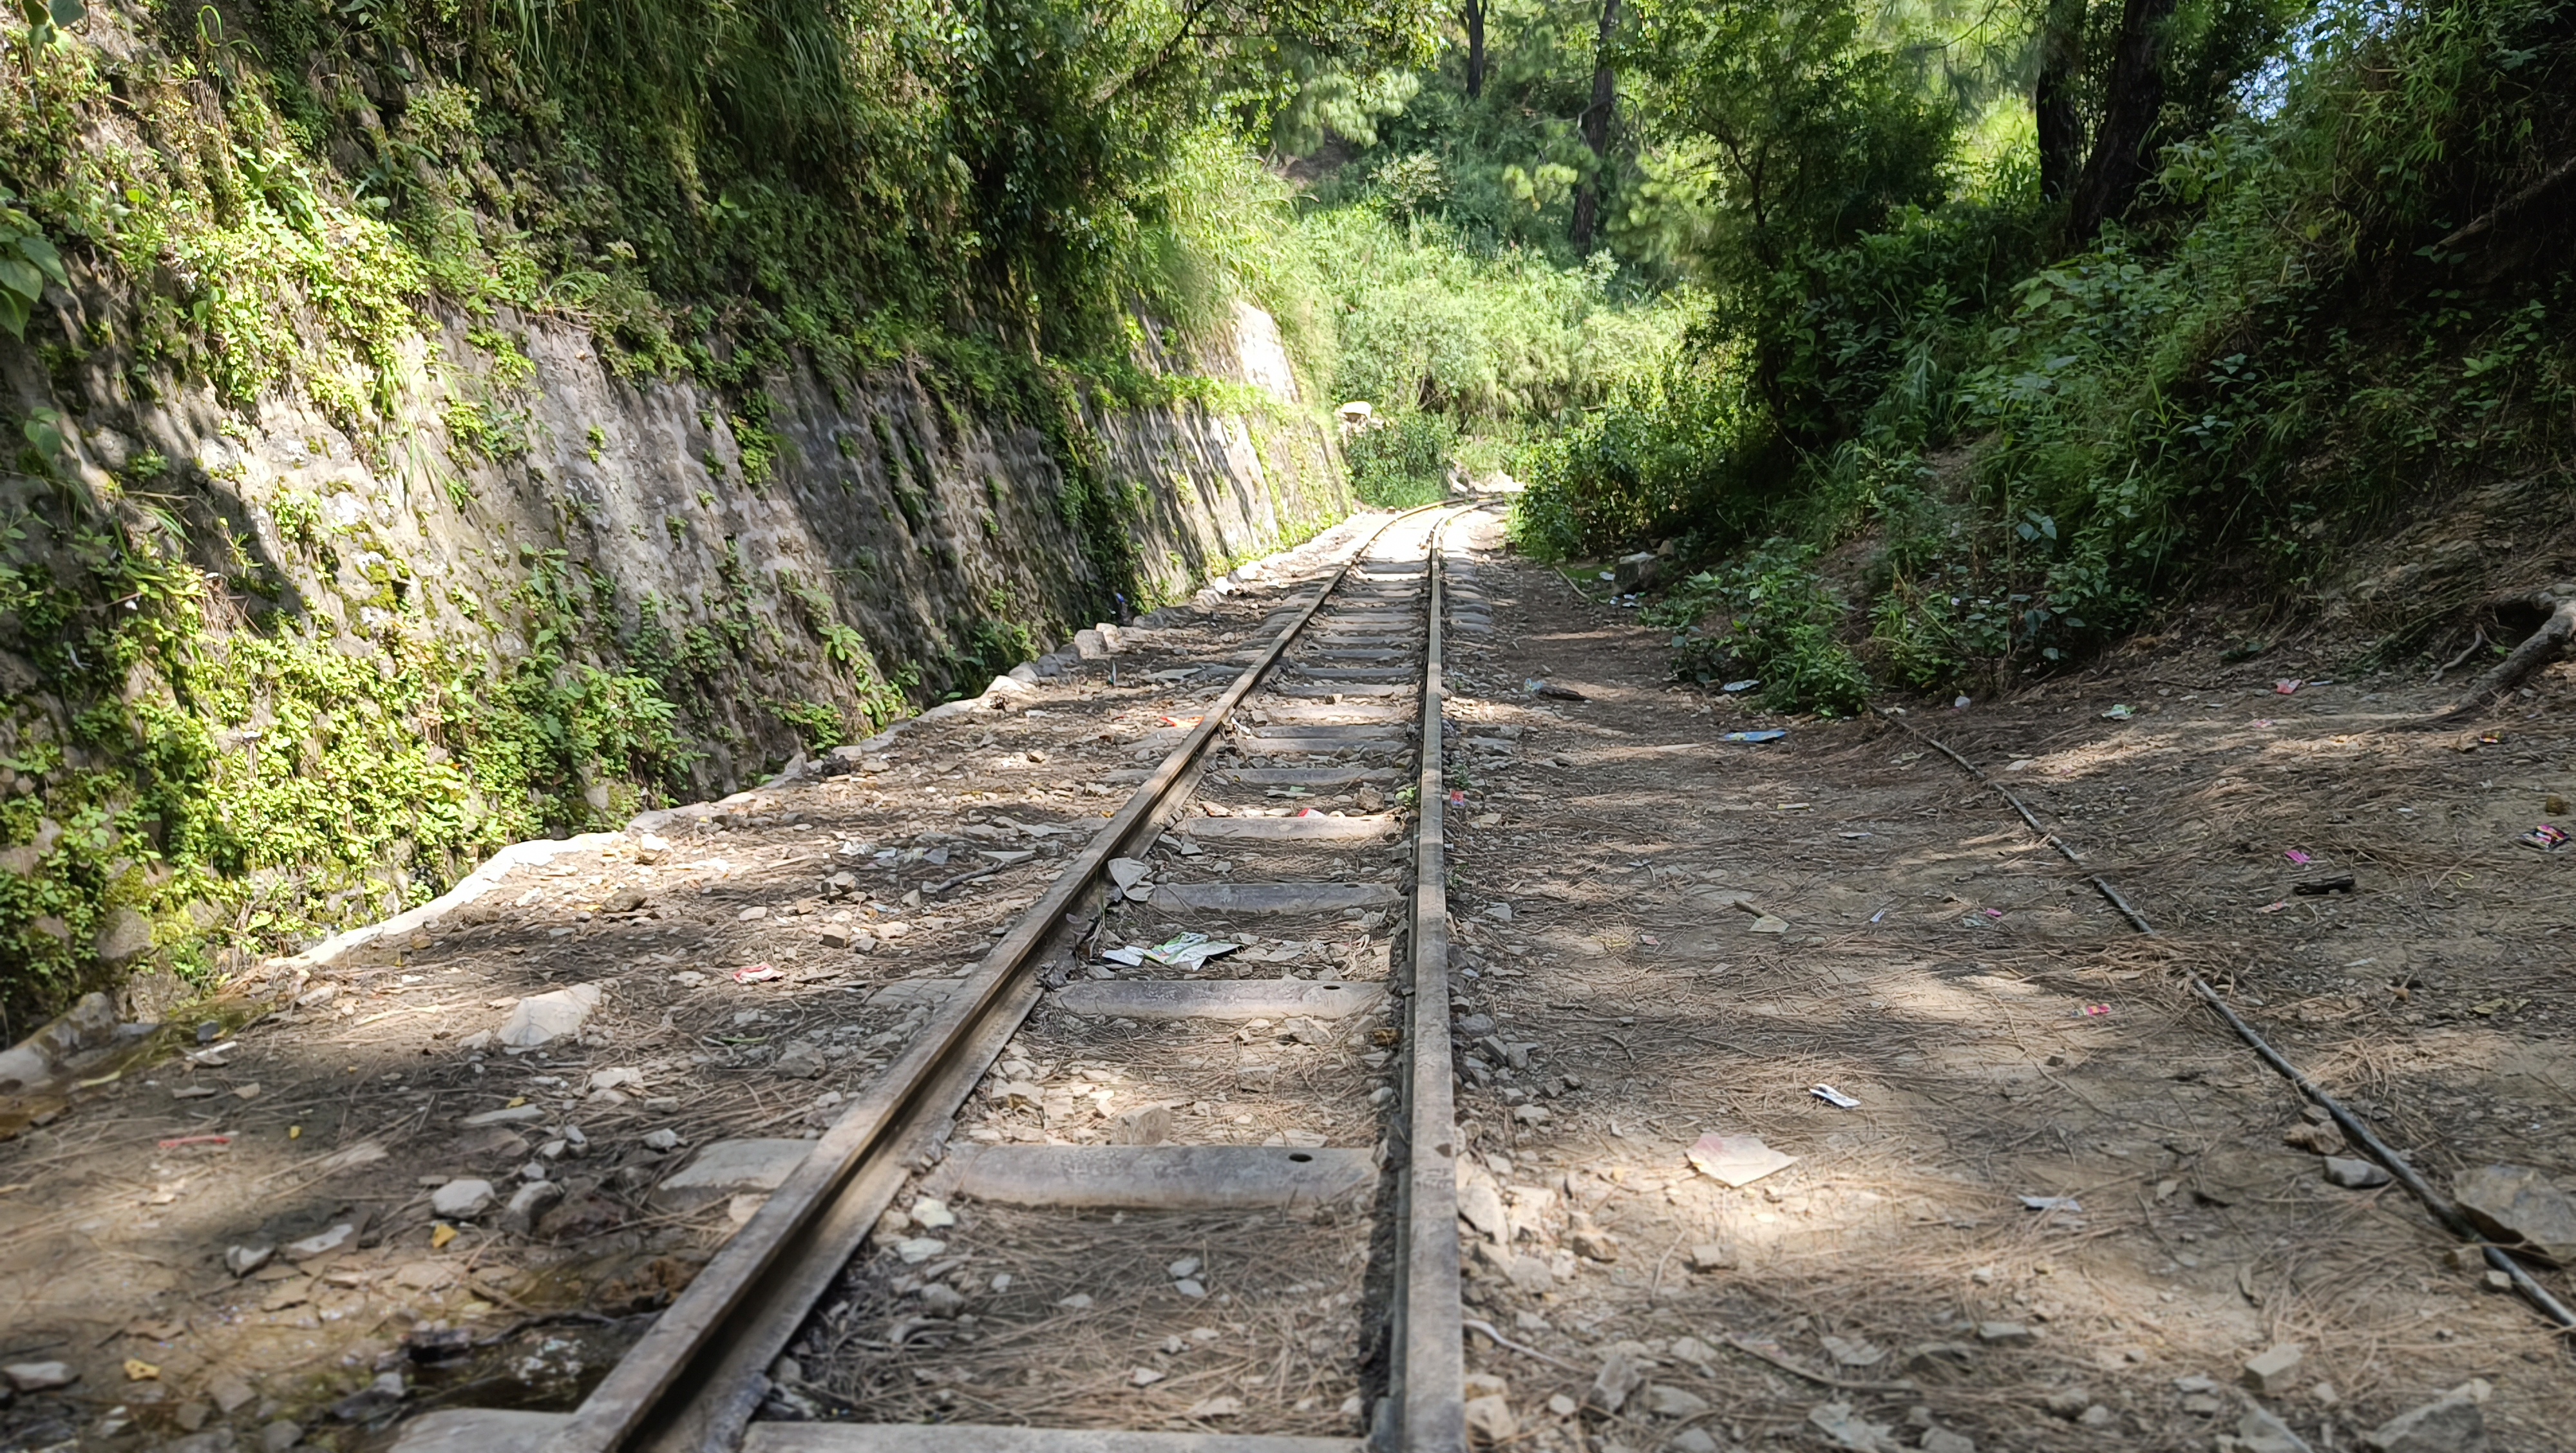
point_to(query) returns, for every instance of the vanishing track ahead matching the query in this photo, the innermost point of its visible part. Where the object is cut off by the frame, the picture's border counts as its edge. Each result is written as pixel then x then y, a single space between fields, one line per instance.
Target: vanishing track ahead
pixel 1225 837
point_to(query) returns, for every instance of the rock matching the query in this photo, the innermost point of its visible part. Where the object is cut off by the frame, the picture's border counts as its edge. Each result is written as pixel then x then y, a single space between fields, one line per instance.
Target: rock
pixel 321 1243
pixel 1694 1440
pixel 1854 1352
pixel 1942 1440
pixel 39 1376
pixel 943 1301
pixel 2517 1205
pixel 933 1213
pixel 507 1115
pixel 1216 1407
pixel 1186 1266
pixel 650 849
pixel 663 1140
pixel 2318 1139
pixel 527 1204
pixel 2260 1430
pixel 1490 1420
pixel 914 1250
pixel 2451 1423
pixel 835 935
pixel 625 900
pixel 126 936
pixel 1619 1375
pixel 2095 1416
pixel 1143 1376
pixel 618 1077
pixel 279 1436
pixel 1128 872
pixel 2005 1334
pixel 461 1200
pixel 2270 1371
pixel 1844 1428
pixel 800 1061
pixel 1593 1243
pixel 2353 1174
pixel 1190 1286
pixel 1667 1401
pixel 230 1393
pixel 2066 1402
pixel 1712 1256
pixel 243 1260
pixel 545 1018
pixel 1925 1357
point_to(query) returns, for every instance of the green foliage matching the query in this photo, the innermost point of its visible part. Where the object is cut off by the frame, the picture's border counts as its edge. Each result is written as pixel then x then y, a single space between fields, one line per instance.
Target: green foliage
pixel 1401 460
pixel 1683 447
pixel 1426 321
pixel 27 261
pixel 1769 618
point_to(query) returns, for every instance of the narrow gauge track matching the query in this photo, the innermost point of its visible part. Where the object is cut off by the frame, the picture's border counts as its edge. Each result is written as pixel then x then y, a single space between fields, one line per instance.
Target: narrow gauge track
pixel 1342 698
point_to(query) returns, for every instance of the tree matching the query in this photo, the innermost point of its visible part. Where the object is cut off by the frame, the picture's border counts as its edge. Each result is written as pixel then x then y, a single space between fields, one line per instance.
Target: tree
pixel 1596 130
pixel 1474 19
pixel 2135 97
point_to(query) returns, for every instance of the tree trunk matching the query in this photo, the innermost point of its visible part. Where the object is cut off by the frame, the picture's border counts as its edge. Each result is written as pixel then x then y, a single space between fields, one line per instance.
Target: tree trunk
pixel 2118 166
pixel 1475 19
pixel 2061 131
pixel 1596 132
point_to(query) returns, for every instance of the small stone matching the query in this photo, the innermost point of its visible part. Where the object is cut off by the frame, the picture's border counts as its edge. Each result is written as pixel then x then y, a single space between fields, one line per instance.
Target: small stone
pixel 1186 1266
pixel 38 1376
pixel 2066 1402
pixel 1942 1440
pixel 321 1243
pixel 931 1212
pixel 2317 1139
pixel 1854 1352
pixel 1593 1243
pixel 243 1260
pixel 1143 1376
pixel 1561 1405
pixel 2005 1334
pixel 461 1200
pixel 1078 1302
pixel 527 1204
pixel 1190 1287
pixel 2354 1174
pixel 1490 1420
pixel 650 849
pixel 2452 1423
pixel 661 1140
pixel 2269 1372
pixel 1619 1376
pixel 2095 1416
pixel 618 1077
pixel 2517 1205
pixel 941 1300
pixel 1667 1401
pixel 801 1061
pixel 917 1249
pixel 1712 1256
pixel 1926 1357
pixel 1694 1440
pixel 2261 1430
pixel 1216 1407
pixel 544 1018
pixel 230 1393
pixel 279 1436
pixel 1845 1428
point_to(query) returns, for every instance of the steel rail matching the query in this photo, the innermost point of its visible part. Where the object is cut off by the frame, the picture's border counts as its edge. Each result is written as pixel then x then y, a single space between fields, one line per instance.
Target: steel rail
pixel 1427 1384
pixel 670 1391
pixel 2442 1209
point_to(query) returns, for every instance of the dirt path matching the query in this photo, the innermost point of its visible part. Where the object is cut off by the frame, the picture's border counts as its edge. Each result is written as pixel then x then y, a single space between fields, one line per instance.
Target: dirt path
pixel 2006 1035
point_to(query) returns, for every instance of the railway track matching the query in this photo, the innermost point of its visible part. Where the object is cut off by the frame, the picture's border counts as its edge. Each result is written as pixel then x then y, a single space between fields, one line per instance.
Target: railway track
pixel 1307 801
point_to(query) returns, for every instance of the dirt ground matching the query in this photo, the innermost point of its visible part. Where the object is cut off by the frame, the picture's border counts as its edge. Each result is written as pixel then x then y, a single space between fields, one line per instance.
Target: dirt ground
pixel 363 1087
pixel 2005 1034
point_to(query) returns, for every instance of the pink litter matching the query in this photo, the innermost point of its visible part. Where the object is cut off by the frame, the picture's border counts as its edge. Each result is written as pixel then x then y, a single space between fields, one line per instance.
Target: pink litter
pixel 756 974
pixel 2302 859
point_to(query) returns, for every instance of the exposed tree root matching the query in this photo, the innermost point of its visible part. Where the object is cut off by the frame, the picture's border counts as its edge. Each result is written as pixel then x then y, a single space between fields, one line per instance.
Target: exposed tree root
pixel 2537 650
